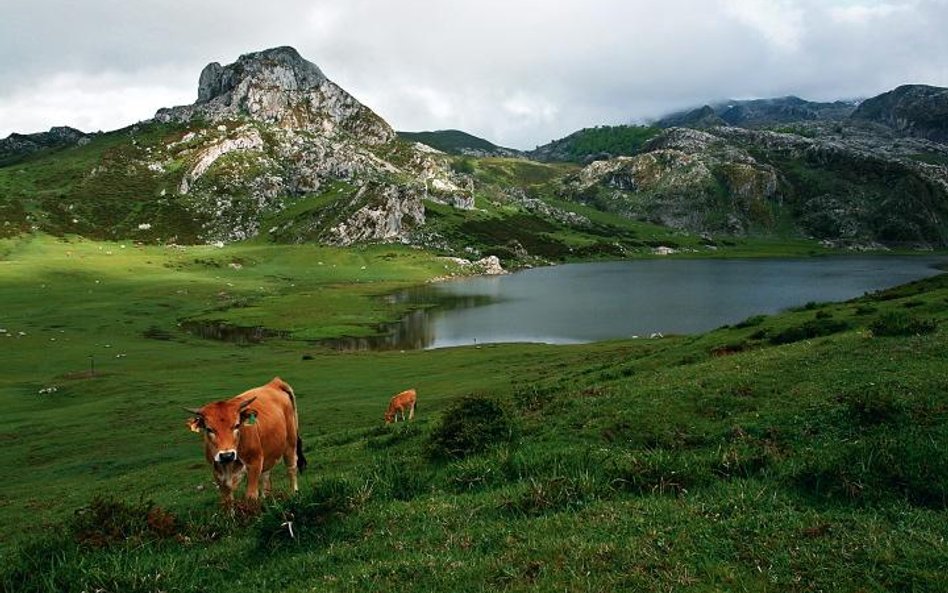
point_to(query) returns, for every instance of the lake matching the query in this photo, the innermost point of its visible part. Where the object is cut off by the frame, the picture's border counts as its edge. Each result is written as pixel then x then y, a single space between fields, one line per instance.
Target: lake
pixel 588 302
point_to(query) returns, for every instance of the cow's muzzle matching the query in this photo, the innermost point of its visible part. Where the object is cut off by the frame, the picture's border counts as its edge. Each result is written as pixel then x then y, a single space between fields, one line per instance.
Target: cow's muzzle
pixel 226 456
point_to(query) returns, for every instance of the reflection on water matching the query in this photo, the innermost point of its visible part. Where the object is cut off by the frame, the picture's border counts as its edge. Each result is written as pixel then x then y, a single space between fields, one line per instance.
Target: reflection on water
pixel 225 332
pixel 416 330
pixel 413 332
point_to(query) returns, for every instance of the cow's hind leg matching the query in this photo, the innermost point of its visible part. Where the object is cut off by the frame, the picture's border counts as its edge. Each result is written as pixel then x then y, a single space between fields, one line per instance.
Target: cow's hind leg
pixel 289 459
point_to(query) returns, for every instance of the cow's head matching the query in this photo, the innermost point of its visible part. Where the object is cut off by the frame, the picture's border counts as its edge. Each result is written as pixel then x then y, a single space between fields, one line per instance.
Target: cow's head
pixel 220 423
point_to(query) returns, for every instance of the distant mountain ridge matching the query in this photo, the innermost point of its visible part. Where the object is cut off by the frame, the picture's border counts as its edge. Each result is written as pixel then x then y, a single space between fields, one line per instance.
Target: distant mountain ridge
pixel 17 146
pixel 461 143
pixel 870 174
pixel 601 142
pixel 914 110
pixel 273 149
pixel 758 113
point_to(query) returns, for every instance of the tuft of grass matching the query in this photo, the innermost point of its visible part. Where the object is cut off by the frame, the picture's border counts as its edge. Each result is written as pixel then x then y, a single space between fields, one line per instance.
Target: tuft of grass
pixel 314 516
pixel 472 425
pixel 902 323
pixel 813 328
pixel 107 521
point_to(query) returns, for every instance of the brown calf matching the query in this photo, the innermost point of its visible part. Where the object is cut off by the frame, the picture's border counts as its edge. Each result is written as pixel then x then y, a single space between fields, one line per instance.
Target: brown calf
pixel 248 434
pixel 399 404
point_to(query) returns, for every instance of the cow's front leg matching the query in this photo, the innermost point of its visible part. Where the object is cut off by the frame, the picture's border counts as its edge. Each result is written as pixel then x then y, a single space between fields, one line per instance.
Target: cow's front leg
pixel 265 478
pixel 253 479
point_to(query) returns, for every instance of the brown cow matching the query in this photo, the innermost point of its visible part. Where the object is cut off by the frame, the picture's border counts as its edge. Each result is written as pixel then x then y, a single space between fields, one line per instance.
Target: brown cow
pixel 248 434
pixel 401 402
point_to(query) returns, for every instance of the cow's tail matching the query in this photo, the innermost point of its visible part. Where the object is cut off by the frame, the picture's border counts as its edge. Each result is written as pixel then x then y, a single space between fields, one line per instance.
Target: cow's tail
pixel 301 462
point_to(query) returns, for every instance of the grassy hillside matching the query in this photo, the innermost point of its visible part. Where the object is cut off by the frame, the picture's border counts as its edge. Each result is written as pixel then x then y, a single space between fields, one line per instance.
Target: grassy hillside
pixel 100 190
pixel 596 142
pixel 798 452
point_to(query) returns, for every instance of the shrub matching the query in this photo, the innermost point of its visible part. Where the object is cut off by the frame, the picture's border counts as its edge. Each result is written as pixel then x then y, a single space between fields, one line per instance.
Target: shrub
pixel 313 516
pixel 106 521
pixel 901 323
pixel 463 165
pixel 471 425
pixel 753 321
pixel 728 349
pixel 813 328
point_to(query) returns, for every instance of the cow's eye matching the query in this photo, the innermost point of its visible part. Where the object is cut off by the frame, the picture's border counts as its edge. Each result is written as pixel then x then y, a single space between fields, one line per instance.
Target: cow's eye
pixel 236 427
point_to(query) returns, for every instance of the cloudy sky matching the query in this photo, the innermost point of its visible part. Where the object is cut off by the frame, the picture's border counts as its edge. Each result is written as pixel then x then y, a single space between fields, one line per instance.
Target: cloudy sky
pixel 518 72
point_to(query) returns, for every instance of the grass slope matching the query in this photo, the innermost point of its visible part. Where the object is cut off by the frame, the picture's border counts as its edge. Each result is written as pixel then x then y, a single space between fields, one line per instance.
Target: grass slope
pixel 798 452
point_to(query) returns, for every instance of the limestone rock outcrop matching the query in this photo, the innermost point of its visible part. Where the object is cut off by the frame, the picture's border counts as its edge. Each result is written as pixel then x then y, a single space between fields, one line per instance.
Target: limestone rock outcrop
pixel 270 130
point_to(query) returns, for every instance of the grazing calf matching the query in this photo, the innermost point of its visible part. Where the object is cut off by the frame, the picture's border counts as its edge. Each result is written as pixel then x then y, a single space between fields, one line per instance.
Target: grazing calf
pixel 404 401
pixel 248 434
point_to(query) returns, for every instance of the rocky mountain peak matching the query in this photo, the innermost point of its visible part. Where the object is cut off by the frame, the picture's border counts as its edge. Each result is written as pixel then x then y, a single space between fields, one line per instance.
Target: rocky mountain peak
pixel 912 109
pixel 281 67
pixel 279 88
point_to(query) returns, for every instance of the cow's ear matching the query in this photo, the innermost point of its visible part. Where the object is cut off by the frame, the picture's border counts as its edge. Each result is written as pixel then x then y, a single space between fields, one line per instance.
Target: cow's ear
pixel 196 424
pixel 248 416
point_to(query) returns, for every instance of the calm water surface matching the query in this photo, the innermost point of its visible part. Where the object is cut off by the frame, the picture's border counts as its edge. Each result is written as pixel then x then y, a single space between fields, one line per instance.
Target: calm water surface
pixel 597 301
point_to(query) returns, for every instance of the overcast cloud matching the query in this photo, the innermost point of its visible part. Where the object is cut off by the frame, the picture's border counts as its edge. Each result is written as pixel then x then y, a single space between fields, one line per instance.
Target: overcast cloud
pixel 518 72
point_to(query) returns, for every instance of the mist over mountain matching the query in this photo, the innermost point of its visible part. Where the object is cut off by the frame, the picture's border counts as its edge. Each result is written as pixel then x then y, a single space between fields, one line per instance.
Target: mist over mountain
pixel 759 113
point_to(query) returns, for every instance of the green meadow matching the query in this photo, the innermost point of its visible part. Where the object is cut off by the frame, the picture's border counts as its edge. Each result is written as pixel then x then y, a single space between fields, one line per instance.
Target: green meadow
pixel 804 451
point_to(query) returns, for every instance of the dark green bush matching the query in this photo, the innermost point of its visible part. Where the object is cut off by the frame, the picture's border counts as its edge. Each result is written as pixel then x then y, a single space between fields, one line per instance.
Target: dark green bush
pixel 106 521
pixel 317 515
pixel 753 321
pixel 463 165
pixel 471 425
pixel 731 348
pixel 901 323
pixel 812 328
